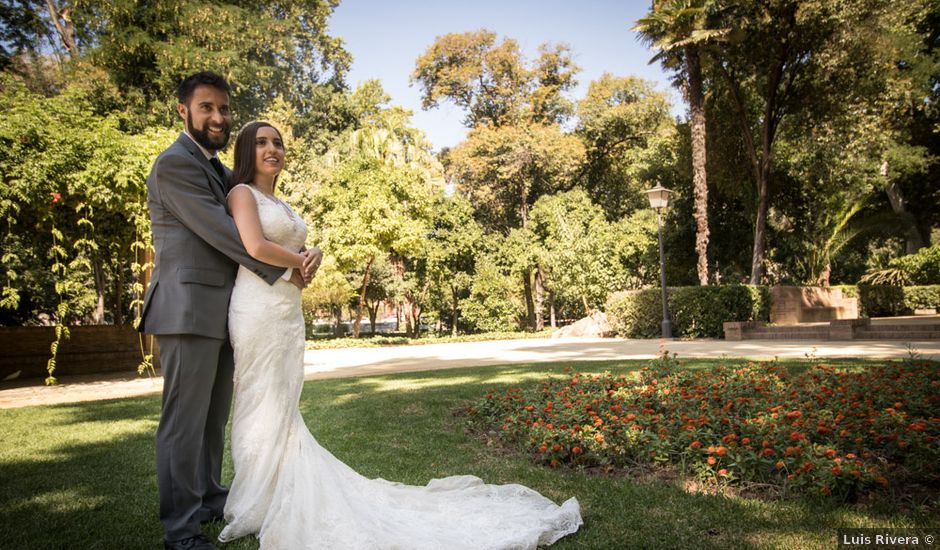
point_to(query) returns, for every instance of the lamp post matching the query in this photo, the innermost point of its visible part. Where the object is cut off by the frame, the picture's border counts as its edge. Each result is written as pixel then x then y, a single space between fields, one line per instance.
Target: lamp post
pixel 659 199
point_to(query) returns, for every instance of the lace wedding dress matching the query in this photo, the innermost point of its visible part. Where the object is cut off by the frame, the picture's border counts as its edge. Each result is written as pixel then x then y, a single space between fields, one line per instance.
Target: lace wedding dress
pixel 294 494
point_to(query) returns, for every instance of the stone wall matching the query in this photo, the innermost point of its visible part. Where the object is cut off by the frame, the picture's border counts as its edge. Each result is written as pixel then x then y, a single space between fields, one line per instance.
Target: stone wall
pixel 790 305
pixel 91 349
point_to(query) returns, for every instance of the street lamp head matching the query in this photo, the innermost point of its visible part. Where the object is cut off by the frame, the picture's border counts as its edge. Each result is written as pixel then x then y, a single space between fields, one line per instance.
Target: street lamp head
pixel 658 196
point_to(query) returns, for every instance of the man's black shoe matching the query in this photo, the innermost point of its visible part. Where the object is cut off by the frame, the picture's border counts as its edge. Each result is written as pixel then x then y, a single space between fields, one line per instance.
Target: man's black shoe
pixel 199 542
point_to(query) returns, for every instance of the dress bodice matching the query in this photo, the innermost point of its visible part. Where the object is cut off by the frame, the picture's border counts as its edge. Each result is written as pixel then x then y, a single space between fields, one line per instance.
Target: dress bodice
pixel 279 223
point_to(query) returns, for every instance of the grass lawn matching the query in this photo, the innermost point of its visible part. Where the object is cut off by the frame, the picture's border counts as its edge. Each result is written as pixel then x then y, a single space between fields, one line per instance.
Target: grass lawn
pixel 82 475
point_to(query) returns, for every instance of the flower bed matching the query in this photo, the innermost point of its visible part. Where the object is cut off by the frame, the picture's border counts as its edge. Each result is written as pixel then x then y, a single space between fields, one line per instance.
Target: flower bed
pixel 833 431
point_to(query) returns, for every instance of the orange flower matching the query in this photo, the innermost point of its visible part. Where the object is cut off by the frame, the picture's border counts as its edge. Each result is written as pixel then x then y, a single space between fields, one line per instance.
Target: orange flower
pixel 836 470
pixel 722 472
pixel 543 448
pixel 576 450
pixel 767 451
pixel 712 461
pixel 55 197
pixel 696 444
pixel 721 451
pixel 779 464
pixel 556 447
pixel 825 490
pixel 599 438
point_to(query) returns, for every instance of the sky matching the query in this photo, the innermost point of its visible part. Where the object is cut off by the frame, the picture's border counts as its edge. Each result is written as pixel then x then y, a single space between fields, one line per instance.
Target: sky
pixel 385 37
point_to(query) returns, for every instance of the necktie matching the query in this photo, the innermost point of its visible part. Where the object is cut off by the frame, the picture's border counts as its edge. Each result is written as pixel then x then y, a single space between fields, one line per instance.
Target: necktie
pixel 217 164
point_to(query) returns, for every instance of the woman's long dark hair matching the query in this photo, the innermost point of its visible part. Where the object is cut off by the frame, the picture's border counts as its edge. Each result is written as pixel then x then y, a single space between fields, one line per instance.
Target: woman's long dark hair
pixel 244 171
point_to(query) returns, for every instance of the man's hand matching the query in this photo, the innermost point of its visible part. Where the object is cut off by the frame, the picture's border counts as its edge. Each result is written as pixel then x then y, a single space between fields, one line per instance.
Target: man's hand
pixel 313 257
pixel 297 278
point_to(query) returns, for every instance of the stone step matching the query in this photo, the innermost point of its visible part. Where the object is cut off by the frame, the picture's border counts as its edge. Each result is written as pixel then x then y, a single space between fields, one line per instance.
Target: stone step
pixel 903 328
pixel 878 334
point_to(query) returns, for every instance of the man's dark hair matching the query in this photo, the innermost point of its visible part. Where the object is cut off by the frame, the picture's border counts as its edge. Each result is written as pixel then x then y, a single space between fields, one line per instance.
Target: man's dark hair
pixel 205 78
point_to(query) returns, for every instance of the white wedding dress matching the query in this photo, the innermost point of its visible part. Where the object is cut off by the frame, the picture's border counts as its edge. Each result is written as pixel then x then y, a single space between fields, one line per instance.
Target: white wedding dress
pixel 294 494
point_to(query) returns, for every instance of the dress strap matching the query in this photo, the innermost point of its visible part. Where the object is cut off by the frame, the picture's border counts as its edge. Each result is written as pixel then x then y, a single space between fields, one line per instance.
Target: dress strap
pixel 252 189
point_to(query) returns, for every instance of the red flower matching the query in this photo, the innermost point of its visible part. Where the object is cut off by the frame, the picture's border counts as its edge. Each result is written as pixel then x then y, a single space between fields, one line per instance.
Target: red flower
pixel 55 197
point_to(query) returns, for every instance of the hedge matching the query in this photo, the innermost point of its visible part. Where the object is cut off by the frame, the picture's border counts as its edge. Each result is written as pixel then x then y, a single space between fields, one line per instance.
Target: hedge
pixel 889 300
pixel 695 311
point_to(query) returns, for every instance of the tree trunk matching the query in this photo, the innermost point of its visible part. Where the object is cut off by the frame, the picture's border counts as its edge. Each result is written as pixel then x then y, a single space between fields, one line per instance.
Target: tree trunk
pixel 119 298
pixel 453 310
pixel 373 310
pixel 338 317
pixel 62 19
pixel 823 279
pixel 98 315
pixel 415 315
pixel 551 309
pixel 760 225
pixel 914 241
pixel 529 304
pixel 362 297
pixel 539 300
pixel 699 174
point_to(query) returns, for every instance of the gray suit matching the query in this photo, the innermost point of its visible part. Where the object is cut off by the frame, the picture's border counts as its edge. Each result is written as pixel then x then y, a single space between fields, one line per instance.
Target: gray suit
pixel 198 251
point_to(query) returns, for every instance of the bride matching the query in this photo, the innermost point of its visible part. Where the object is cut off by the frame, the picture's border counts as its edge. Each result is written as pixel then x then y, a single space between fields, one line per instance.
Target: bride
pixel 288 489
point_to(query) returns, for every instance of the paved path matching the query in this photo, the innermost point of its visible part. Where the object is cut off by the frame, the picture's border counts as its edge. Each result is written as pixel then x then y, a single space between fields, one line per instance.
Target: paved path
pixel 352 362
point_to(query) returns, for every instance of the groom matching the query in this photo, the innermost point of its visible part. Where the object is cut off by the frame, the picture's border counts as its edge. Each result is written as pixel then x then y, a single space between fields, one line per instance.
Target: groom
pixel 198 251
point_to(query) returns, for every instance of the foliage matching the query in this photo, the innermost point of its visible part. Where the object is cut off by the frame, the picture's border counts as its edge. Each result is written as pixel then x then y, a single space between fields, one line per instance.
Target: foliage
pixel 920 268
pixel 493 82
pixel 454 241
pixel 584 257
pixel 890 300
pixel 328 291
pixel 828 431
pixel 398 339
pixel 696 311
pixel 271 49
pixel 502 171
pixel 55 152
pixel 495 303
pixel 630 141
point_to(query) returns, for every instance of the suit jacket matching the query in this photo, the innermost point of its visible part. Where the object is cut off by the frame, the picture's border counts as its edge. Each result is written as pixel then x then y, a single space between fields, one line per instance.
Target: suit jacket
pixel 198 248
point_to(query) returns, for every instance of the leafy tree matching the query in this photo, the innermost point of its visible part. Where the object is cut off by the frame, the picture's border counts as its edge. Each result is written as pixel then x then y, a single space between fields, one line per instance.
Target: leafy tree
pixel 368 210
pixel 678 30
pixel 793 58
pixel 495 303
pixel 266 50
pixel 453 243
pixel 578 246
pixel 630 142
pixel 328 293
pixel 493 82
pixel 71 194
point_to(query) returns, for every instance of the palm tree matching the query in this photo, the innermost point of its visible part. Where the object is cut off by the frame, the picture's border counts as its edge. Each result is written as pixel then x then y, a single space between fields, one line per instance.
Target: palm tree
pixel 676 29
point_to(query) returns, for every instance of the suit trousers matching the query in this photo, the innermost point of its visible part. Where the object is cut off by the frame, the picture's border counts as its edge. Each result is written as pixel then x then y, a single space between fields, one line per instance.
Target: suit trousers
pixel 197 398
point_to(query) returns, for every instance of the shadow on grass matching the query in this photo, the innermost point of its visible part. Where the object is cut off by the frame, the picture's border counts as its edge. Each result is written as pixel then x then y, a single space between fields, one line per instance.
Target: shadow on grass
pixel 83 475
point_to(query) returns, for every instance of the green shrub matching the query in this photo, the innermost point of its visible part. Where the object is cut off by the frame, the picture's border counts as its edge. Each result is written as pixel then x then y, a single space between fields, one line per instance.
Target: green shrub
pixel 695 311
pixel 889 300
pixel 922 297
pixel 920 268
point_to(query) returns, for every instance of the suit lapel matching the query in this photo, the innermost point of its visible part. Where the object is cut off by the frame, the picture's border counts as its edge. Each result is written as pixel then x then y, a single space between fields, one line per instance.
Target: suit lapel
pixel 215 182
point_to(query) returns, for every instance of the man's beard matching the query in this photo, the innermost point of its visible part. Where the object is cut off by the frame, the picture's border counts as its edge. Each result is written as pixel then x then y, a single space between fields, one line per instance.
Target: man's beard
pixel 202 137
